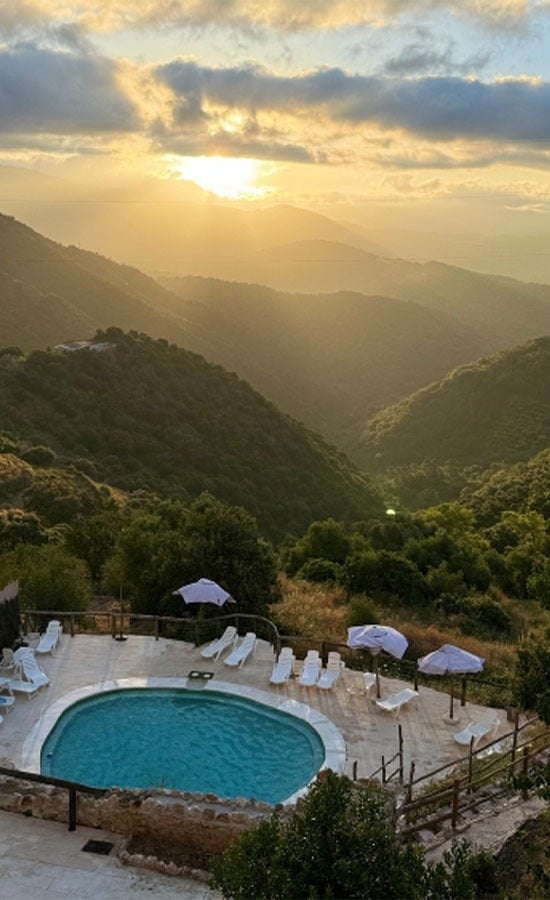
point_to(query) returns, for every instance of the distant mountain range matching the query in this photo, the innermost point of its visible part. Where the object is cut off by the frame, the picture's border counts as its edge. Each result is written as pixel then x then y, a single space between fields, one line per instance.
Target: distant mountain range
pixel 493 411
pixel 501 311
pixel 144 415
pixel 330 360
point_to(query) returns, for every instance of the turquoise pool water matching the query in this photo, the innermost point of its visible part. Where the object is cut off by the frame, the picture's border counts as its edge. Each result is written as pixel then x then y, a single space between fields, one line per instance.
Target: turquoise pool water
pixel 186 740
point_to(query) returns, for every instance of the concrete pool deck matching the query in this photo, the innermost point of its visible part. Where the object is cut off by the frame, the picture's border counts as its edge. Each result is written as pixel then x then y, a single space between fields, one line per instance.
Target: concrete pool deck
pixel 87 660
pixel 369 732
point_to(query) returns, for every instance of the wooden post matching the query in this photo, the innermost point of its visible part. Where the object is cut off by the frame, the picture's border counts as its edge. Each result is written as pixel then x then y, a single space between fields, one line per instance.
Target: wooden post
pixel 514 748
pixel 354 776
pixel 415 681
pixel 463 692
pixel 324 653
pixel 113 625
pixel 411 781
pixel 525 770
pixel 156 628
pixel 383 770
pixel 72 626
pixel 72 809
pixel 454 813
pixel 471 761
pixel 400 738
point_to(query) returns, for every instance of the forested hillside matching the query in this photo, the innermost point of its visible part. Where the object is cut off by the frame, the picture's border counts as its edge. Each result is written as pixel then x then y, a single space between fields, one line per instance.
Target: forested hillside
pixel 330 360
pixel 50 293
pixel 501 312
pixel 146 415
pixel 494 411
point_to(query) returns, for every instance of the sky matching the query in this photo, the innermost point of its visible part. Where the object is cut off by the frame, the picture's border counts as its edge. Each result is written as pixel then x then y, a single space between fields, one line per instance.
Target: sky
pixel 430 108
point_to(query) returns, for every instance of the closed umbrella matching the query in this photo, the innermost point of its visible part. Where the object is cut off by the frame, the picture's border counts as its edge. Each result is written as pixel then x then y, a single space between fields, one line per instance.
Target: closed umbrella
pixel 376 638
pixel 450 660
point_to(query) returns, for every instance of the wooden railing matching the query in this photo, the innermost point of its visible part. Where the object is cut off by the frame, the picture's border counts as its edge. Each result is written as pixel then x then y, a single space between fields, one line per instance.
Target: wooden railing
pixel 457 794
pixel 73 788
pixel 196 630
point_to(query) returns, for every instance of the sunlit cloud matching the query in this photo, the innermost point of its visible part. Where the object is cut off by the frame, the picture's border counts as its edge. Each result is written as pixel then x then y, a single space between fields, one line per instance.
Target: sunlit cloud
pixel 436 107
pixel 283 15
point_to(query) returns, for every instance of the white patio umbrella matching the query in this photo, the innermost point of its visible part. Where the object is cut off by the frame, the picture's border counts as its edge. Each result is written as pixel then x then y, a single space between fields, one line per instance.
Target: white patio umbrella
pixel 376 638
pixel 204 591
pixel 450 660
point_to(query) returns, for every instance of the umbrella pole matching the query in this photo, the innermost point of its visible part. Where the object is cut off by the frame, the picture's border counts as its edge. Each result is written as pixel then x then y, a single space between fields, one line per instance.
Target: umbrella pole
pixel 451 710
pixel 377 676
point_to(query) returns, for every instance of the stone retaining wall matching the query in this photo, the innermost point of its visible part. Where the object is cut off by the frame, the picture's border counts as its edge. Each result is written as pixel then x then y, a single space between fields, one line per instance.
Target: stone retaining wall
pixel 202 823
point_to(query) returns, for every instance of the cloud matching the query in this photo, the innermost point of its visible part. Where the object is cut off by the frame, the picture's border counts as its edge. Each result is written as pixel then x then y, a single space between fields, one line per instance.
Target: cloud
pixel 59 92
pixel 440 108
pixel 422 57
pixel 282 15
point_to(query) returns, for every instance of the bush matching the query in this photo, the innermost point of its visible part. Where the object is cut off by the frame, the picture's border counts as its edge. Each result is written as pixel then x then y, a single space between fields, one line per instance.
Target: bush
pixel 361 611
pixel 322 571
pixel 340 842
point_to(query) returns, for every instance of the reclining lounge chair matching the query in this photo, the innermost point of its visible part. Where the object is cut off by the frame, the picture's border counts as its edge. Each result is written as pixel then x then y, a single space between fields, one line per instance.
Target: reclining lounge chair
pixel 331 674
pixel 282 670
pixel 396 702
pixel 477 731
pixel 217 646
pixel 242 651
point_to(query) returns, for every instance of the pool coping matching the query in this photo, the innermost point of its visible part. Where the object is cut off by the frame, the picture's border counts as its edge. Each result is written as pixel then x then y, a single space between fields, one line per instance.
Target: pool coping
pixel 331 737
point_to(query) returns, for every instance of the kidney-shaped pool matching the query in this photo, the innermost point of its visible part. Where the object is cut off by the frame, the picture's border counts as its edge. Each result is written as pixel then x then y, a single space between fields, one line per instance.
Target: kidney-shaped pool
pixel 186 740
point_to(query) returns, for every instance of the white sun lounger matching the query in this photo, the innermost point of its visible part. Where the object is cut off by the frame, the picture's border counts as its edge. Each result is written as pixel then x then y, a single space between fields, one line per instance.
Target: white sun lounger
pixel 242 651
pixel 477 731
pixel 217 646
pixel 282 670
pixel 24 687
pixel 48 642
pixel 396 702
pixel 27 669
pixel 311 671
pixel 331 674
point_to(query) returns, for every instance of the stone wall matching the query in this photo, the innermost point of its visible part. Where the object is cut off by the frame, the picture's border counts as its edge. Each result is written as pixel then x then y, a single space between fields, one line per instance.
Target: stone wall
pixel 202 823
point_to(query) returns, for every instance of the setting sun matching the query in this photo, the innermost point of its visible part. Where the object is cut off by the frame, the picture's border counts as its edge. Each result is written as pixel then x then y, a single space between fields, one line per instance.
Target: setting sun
pixel 228 177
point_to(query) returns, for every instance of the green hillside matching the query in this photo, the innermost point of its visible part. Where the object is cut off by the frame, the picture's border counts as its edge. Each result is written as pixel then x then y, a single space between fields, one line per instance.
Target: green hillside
pixel 331 360
pixel 146 415
pixel 501 311
pixel 520 487
pixel 327 360
pixel 50 293
pixel 494 411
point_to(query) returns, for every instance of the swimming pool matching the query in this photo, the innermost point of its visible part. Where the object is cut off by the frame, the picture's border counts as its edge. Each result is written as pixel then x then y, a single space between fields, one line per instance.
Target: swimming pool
pixel 204 741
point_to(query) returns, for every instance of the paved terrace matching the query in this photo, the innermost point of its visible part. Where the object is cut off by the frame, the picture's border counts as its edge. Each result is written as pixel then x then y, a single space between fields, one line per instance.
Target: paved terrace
pixel 43 860
pixel 368 731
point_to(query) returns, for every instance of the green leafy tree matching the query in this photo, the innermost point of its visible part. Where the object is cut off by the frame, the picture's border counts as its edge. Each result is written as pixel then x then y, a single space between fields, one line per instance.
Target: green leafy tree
pixel 532 685
pixel 93 538
pixel 223 543
pixel 340 842
pixel 50 578
pixel 326 540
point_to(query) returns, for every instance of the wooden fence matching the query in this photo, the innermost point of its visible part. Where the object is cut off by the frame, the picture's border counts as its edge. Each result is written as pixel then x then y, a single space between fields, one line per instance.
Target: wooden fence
pixel 493 764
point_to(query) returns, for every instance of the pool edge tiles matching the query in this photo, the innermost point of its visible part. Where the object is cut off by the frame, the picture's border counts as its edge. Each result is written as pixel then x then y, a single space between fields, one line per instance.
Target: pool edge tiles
pixel 331 738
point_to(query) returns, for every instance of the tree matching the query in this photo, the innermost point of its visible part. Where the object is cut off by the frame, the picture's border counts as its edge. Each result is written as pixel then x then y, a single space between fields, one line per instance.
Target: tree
pixel 50 578
pixel 223 543
pixel 323 540
pixel 340 842
pixel 532 687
